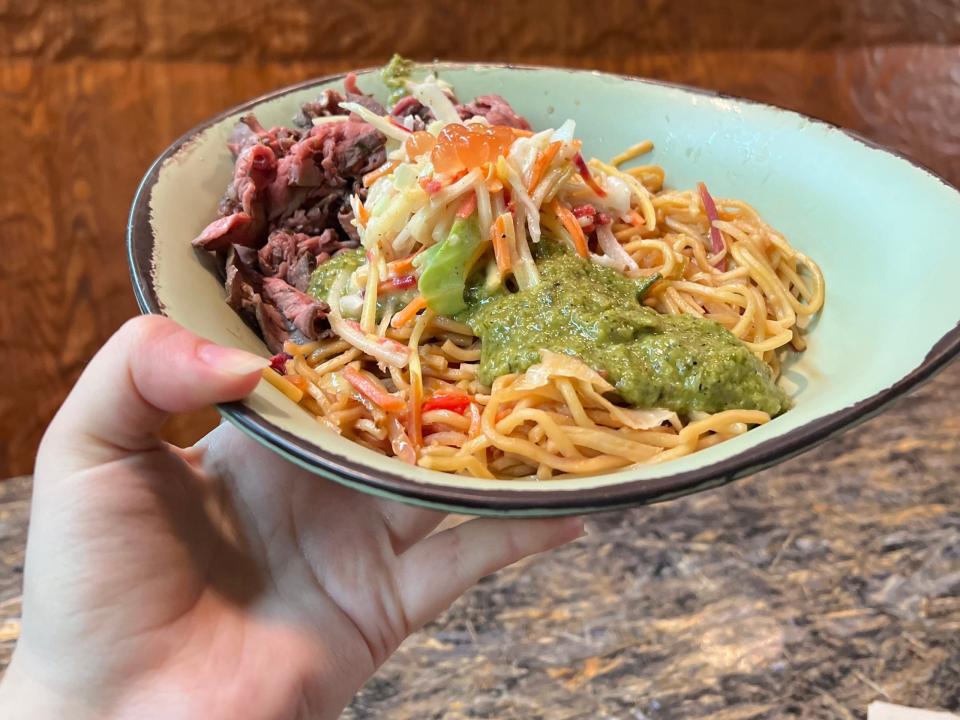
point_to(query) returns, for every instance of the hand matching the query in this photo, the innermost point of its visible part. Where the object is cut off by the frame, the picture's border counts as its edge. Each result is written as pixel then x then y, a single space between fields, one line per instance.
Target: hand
pixel 218 581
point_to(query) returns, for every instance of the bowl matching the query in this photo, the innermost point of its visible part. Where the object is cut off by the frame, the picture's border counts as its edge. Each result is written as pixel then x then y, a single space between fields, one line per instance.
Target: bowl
pixel 885 232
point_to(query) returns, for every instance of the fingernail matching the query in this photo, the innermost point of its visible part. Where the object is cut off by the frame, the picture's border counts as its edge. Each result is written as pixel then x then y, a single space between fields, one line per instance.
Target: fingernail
pixel 231 360
pixel 575 528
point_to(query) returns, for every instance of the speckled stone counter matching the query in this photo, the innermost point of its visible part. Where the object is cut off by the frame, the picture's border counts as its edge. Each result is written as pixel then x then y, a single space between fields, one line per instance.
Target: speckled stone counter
pixel 808 590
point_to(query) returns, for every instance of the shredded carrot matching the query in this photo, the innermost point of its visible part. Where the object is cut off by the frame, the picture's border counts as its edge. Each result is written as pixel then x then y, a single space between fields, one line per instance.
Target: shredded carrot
pixel 573 227
pixel 543 162
pixel 522 133
pixel 403 265
pixel 371 177
pixel 405 316
pixel 500 242
pixel 494 185
pixel 372 389
pixel 635 219
pixel 363 215
pixel 468 205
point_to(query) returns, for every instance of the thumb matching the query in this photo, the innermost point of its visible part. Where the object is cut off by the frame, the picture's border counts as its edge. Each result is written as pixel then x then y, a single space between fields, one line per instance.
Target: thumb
pixel 149 368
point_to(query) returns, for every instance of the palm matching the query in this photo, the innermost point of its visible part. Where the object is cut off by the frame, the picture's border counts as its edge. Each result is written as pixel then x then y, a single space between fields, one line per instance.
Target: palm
pixel 226 567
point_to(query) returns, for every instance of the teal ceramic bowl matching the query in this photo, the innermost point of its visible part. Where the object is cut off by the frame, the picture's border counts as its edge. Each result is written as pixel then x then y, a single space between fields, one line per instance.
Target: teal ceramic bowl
pixel 885 232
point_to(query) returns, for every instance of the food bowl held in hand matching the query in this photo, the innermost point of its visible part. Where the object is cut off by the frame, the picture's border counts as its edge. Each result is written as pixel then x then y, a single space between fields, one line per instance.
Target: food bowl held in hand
pixel 667 269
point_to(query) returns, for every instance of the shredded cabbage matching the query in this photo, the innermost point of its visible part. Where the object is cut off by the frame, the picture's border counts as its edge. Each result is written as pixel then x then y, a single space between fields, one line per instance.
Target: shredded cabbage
pixel 614 250
pixel 379 122
pixel 437 100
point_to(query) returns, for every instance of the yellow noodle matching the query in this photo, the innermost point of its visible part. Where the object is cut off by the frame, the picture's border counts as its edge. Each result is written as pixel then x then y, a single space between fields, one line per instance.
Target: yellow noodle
pixel 641 148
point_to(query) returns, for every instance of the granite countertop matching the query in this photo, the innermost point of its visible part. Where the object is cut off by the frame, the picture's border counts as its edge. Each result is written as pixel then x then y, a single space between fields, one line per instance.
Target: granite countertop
pixel 807 590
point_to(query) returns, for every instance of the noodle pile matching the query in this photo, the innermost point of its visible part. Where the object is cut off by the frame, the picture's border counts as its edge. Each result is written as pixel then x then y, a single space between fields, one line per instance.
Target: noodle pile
pixel 406 384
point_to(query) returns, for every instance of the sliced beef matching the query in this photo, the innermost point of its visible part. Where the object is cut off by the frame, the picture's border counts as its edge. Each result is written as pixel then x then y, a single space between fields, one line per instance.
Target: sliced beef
pixel 327 243
pixel 273 326
pixel 345 218
pixel 248 131
pixel 243 280
pixel 324 106
pixel 355 94
pixel 328 103
pixel 333 152
pixel 244 134
pixel 311 211
pixel 409 107
pixel 495 109
pixel 245 294
pixel 315 178
pixel 255 170
pixel 307 314
pixel 240 293
pixel 237 228
pixel 247 261
pixel 279 252
pixel 299 271
pixel 294 256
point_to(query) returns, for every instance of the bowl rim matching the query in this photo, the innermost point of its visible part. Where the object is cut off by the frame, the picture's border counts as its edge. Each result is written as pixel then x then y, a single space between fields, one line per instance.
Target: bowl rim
pixel 140 242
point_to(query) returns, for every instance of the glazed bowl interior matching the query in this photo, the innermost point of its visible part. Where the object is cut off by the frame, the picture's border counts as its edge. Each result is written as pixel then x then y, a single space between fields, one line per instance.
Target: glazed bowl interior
pixel 884 232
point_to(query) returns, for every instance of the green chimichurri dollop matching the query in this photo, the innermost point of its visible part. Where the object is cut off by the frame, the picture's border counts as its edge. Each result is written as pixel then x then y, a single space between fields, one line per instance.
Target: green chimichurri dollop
pixel 579 308
pixel 327 272
pixel 395 75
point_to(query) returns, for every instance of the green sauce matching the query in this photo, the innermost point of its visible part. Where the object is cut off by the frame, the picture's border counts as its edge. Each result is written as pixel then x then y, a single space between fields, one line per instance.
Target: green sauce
pixel 579 308
pixel 327 272
pixel 395 75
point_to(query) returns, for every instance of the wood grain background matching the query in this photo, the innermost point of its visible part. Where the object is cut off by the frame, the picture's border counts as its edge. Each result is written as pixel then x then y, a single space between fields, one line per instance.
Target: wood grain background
pixel 91 91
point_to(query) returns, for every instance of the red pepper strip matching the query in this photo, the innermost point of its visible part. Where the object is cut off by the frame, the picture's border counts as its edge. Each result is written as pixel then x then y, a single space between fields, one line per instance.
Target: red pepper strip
pixel 457 403
pixel 587 177
pixel 393 121
pixel 716 238
pixel 372 390
pixel 396 284
pixel 468 206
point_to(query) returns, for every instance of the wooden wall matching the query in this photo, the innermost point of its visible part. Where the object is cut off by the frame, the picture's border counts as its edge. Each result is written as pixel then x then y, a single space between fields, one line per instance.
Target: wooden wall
pixel 91 91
